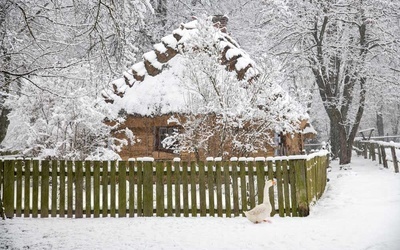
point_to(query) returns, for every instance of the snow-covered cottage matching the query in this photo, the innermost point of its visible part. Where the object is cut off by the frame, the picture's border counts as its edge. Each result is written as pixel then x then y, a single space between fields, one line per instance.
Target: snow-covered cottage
pixel 179 100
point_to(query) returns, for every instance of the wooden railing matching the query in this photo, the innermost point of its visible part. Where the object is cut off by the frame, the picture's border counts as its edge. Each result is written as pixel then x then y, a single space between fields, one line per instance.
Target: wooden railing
pixel 385 152
pixel 33 188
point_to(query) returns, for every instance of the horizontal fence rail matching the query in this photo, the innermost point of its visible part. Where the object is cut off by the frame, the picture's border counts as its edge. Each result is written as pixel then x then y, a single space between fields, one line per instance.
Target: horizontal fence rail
pixel 386 152
pixel 33 188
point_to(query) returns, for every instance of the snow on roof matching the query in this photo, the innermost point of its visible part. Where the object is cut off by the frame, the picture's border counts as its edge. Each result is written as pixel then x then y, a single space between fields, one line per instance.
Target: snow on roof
pixel 139 68
pixel 170 41
pixel 309 129
pixel 160 94
pixel 232 53
pixel 190 25
pixel 153 85
pixel 243 62
pixel 160 47
pixel 152 58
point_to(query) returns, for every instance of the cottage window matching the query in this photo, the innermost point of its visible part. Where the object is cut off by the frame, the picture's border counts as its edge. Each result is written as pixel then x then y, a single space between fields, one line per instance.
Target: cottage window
pixel 163 141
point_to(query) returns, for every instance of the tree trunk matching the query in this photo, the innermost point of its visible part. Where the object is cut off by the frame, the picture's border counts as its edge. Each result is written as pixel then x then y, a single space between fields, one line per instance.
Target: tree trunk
pixel 379 123
pixel 3 122
pixel 395 121
pixel 334 138
pixel 345 147
pixel 341 144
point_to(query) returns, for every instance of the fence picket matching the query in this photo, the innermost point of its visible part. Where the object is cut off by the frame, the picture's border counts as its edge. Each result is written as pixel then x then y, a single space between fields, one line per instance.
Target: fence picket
pixel 70 194
pixel 177 188
pixel 218 183
pixel 8 185
pixel 185 189
pixel 54 188
pixel 131 188
pixel 78 190
pixel 281 208
pixel 243 191
pixel 271 190
pixel 148 188
pixel 62 188
pixel 18 210
pixel 44 190
pixel 104 183
pixel 301 191
pixel 35 187
pixel 122 189
pixel 210 181
pixel 286 190
pixel 169 188
pixel 292 179
pixel 202 187
pixel 159 189
pixel 88 188
pixel 193 189
pixel 260 180
pixel 113 179
pixel 228 207
pixel 139 188
pixel 27 190
pixel 235 188
pixel 250 183
pixel 96 189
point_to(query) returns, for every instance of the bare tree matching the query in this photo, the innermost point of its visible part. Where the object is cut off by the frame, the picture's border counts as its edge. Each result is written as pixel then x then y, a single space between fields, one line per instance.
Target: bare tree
pixel 59 47
pixel 338 42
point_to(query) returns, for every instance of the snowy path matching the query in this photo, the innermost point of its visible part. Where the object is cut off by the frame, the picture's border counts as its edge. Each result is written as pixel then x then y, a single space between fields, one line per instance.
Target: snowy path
pixel 360 210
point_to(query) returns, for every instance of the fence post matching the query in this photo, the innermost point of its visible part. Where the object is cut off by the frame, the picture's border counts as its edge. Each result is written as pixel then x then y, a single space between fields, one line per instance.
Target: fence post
pixel 372 152
pixel 365 150
pixel 383 152
pixel 394 157
pixel 148 187
pixel 8 185
pixel 301 188
pixel 379 154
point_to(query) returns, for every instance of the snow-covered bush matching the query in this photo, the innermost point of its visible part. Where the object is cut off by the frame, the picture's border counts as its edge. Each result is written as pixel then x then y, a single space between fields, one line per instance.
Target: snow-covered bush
pixel 64 123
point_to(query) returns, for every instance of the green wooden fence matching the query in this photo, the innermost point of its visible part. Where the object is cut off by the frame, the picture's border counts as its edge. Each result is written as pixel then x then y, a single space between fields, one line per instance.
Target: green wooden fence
pixel 33 188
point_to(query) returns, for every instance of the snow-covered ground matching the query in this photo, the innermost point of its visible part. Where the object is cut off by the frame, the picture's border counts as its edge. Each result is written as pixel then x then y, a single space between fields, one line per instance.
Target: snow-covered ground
pixel 359 210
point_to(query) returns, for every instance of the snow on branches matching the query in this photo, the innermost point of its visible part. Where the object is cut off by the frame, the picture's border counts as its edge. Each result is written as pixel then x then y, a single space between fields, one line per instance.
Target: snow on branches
pixel 224 114
pixel 66 125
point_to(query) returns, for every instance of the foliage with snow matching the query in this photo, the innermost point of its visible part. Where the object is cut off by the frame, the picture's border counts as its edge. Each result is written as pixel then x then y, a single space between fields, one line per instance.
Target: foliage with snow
pixel 68 124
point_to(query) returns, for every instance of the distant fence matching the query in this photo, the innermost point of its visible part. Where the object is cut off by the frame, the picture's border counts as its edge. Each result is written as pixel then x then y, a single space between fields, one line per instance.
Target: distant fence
pixel 33 188
pixel 385 152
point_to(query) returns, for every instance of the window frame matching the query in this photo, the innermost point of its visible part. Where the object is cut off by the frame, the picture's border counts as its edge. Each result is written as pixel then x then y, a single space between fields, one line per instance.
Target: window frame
pixel 158 137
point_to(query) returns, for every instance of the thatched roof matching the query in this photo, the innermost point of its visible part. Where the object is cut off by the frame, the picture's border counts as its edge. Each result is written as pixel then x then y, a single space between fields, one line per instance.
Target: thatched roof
pixel 160 69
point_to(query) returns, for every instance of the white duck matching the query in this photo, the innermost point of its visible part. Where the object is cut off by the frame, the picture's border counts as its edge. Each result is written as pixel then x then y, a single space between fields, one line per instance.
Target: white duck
pixel 262 211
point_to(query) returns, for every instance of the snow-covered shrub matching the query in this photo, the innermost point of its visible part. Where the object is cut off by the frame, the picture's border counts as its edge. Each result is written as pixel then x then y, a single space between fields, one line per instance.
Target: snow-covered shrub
pixel 64 123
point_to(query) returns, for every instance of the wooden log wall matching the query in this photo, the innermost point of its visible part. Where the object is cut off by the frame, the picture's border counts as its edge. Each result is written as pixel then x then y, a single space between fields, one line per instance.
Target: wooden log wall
pixel 33 188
